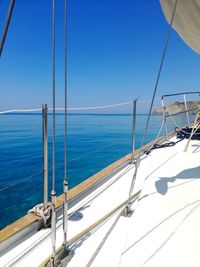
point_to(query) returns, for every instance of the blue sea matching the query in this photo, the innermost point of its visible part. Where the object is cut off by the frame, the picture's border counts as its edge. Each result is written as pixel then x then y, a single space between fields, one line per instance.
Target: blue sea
pixel 94 142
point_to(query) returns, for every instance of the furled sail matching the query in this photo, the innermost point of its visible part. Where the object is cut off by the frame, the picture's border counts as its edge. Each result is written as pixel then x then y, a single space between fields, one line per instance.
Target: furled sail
pixel 186 21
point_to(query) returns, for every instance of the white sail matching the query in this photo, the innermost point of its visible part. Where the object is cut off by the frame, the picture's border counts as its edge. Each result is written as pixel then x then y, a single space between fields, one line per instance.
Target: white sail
pixel 186 21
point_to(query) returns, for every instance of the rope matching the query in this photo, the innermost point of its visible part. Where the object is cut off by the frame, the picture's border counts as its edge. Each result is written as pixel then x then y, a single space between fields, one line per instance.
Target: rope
pixel 74 108
pixel 185 132
pixel 91 227
pixel 158 135
pixel 46 235
pixel 74 159
pixel 36 243
pixel 20 110
pixel 39 210
pixel 98 107
pixel 178 127
pixel 168 144
pixel 5 31
pixel 193 131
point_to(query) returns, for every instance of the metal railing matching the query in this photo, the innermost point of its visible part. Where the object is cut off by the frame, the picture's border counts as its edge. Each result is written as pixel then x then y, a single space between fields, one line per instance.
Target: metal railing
pixel 45 169
pixel 168 114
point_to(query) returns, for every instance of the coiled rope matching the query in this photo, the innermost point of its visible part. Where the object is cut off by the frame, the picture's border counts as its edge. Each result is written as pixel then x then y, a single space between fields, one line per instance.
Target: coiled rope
pixel 177 127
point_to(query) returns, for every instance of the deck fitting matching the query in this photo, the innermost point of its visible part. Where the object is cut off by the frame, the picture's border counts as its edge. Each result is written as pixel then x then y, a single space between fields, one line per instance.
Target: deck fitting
pixel 127 212
pixel 62 258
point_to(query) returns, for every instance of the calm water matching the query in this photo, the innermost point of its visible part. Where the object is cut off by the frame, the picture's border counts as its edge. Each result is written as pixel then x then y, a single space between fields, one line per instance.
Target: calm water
pixel 94 141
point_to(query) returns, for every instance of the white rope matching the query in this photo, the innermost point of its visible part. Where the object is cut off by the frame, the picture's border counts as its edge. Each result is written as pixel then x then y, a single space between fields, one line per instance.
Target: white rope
pixel 158 135
pixel 97 107
pixel 20 110
pixel 41 212
pixel 75 108
pixel 147 101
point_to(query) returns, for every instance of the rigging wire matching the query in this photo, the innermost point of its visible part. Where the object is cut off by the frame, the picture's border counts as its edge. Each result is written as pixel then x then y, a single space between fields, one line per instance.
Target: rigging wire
pixel 137 163
pixel 59 164
pixel 80 157
pixel 7 23
pixel 65 181
pixel 53 96
pixel 159 72
pixel 65 90
pixel 90 153
pixel 21 181
pixel 128 168
pixel 53 192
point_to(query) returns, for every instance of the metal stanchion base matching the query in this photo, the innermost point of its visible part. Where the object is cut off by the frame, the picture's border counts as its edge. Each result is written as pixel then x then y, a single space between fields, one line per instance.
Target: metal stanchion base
pixel 133 162
pixel 62 258
pixel 127 212
pixel 51 263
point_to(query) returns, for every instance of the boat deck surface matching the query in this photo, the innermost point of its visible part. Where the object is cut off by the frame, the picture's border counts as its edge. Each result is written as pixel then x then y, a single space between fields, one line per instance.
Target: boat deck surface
pixel 162 231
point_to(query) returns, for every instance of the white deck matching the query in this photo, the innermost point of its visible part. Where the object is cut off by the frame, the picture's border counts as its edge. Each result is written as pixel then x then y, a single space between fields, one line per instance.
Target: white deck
pixel 163 230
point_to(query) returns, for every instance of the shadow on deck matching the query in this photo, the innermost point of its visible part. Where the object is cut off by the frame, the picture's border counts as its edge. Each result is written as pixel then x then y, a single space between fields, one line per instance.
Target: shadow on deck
pixel 163 184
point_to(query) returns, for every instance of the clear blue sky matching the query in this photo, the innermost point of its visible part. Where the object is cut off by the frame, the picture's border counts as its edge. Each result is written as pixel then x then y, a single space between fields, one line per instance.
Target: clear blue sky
pixel 114 50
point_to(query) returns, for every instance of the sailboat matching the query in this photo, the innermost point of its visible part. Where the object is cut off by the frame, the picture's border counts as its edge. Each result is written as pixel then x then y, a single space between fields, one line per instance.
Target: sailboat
pixel 143 210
